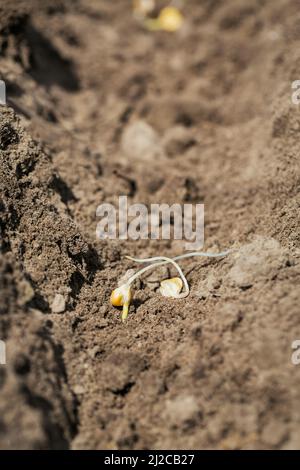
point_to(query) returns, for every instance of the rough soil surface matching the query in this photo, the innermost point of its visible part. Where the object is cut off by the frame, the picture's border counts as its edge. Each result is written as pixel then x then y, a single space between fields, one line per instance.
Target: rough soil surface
pixel 99 107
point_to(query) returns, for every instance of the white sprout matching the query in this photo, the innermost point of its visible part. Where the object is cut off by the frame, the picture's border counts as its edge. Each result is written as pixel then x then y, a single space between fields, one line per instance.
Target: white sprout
pixel 162 260
pixel 176 258
pixel 122 295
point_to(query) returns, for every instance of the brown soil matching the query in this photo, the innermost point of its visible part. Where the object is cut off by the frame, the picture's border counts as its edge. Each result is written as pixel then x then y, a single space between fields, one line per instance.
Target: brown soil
pixel 210 371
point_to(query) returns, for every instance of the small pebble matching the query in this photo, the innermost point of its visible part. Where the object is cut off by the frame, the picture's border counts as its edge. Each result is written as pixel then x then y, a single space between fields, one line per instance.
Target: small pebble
pixel 78 389
pixel 257 261
pixel 93 352
pixel 59 304
pixel 181 410
pixel 140 141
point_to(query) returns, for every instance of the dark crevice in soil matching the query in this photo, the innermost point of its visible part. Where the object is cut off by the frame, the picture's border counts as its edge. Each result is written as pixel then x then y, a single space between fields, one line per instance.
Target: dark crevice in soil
pixel 47 66
pixel 124 390
pixel 59 185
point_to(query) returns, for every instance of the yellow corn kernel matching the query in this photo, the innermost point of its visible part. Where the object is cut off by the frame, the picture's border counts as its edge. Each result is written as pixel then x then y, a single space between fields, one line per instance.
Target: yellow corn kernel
pixel 170 19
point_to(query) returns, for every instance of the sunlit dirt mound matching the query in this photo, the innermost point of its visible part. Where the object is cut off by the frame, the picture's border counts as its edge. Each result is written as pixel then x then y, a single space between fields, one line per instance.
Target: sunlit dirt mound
pixel 98 107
